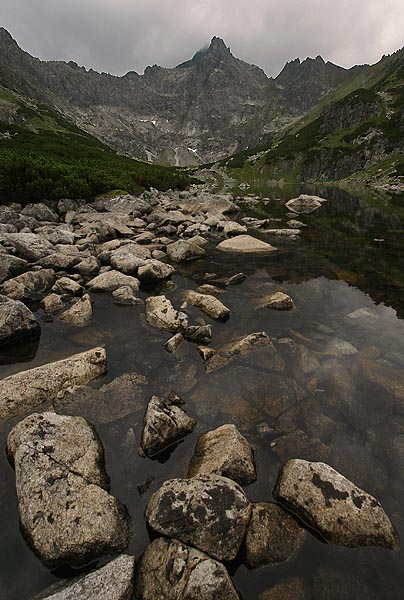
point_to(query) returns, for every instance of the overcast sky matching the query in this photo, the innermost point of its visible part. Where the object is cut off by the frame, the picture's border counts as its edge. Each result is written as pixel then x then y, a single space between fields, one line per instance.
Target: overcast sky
pixel 117 36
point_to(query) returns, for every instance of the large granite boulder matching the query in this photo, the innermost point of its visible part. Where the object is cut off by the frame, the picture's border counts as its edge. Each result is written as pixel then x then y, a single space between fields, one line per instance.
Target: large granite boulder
pixel 80 313
pixel 16 321
pixel 111 281
pixel 183 251
pixel 170 570
pixel 29 246
pixel 226 452
pixel 273 536
pixel 209 305
pixel 164 424
pixel 113 581
pixel 11 266
pixel 245 244
pixel 154 271
pixel 207 511
pixel 304 204
pixel 327 501
pixel 66 514
pixel 27 389
pixel 40 212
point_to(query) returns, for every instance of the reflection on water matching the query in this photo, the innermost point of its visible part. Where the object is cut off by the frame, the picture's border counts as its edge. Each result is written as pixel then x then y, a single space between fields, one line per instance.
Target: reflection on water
pixel 336 392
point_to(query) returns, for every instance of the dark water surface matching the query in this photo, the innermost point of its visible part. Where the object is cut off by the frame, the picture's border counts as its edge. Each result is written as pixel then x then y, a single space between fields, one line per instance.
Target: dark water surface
pixel 349 257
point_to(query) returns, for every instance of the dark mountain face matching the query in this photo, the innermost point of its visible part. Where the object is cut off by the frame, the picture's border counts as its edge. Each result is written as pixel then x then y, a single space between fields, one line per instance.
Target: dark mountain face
pixel 206 108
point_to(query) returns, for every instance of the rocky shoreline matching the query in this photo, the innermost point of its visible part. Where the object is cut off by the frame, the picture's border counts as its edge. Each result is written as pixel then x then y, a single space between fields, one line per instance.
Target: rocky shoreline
pixel 56 259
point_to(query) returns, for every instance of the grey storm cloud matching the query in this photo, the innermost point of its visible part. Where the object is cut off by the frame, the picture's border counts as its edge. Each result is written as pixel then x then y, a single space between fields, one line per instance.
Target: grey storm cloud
pixel 117 36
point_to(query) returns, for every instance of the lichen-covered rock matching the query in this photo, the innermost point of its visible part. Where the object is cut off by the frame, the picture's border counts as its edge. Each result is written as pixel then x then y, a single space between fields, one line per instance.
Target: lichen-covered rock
pixel 226 452
pixel 11 266
pixel 40 212
pixel 111 281
pixel 327 501
pixel 128 258
pixel 66 513
pixel 30 286
pixel 199 333
pixel 52 303
pixel 208 511
pixel 29 246
pixel 245 244
pixel 174 343
pixel 163 425
pixel 170 570
pixel 113 581
pixel 80 313
pixel 16 321
pixel 125 296
pixel 154 271
pixel 28 389
pixel 161 314
pixel 65 286
pixel 273 535
pixel 209 305
pixel 183 251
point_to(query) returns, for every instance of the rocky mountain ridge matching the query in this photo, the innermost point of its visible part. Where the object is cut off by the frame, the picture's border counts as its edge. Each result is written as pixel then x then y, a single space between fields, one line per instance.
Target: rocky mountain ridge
pixel 204 109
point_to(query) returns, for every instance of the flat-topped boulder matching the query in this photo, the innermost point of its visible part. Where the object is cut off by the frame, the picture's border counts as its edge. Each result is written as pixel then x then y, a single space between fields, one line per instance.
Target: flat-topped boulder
pixel 28 246
pixel 207 511
pixel 111 281
pixel 305 204
pixel 245 244
pixel 28 389
pixel 327 501
pixel 16 321
pixel 184 251
pixel 170 570
pixel 65 512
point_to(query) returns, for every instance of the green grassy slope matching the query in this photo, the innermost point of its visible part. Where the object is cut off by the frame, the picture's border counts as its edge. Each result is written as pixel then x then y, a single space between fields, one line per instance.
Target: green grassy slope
pixel 355 132
pixel 42 155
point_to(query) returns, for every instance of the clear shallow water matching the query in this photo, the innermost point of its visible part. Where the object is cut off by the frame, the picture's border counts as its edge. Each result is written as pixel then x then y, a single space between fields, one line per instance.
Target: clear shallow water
pixel 349 402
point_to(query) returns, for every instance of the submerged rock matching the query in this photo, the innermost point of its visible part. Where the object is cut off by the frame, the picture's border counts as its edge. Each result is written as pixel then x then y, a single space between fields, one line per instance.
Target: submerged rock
pixel 245 244
pixel 113 581
pixel 170 570
pixel 327 501
pixel 290 589
pixel 16 321
pixel 208 512
pixel 163 425
pixel 209 305
pixel 277 301
pixel 161 314
pixel 226 452
pixel 28 389
pixel 199 333
pixel 273 536
pixel 65 512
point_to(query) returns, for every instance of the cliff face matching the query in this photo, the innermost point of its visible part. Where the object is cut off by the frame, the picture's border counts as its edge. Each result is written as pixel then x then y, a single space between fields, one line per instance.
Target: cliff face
pixel 206 108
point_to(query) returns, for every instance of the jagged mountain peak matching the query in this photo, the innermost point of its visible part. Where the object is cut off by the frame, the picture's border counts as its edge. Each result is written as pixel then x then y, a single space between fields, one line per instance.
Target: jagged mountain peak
pixel 216 48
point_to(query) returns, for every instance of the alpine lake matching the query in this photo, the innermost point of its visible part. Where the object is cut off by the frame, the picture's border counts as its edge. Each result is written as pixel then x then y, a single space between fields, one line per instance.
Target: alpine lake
pixel 342 385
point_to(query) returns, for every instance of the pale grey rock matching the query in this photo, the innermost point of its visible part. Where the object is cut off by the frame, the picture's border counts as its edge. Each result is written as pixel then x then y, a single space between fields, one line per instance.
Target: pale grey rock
pixel 174 343
pixel 327 501
pixel 184 251
pixel 290 233
pixel 304 204
pixel 277 301
pixel 59 261
pixel 30 286
pixel 209 305
pixel 161 314
pixel 210 203
pixel 29 246
pixel 27 389
pixel 80 313
pixel 88 266
pixel 11 266
pixel 128 258
pixel 293 224
pixel 170 570
pixel 226 452
pixel 111 281
pixel 273 536
pixel 338 347
pixel 113 581
pixel 122 204
pixel 163 425
pixel 65 512
pixel 40 212
pixel 16 321
pixel 245 244
pixel 154 271
pixel 57 235
pixel 231 228
pixel 208 511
